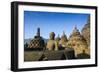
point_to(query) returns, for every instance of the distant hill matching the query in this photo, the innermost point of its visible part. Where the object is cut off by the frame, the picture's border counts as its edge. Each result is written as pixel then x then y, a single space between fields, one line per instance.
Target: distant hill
pixel 45 40
pixel 27 40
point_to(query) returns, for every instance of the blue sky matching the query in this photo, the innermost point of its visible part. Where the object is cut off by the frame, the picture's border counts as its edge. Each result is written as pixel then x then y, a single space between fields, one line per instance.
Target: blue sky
pixel 52 22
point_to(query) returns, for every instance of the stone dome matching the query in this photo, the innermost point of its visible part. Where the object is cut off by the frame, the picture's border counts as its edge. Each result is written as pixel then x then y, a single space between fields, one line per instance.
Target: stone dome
pixel 37 42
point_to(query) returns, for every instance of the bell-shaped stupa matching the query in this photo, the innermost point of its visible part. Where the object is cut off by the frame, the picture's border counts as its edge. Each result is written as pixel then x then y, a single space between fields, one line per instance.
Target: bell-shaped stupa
pixel 37 43
pixel 58 38
pixel 63 40
pixel 86 32
pixel 77 41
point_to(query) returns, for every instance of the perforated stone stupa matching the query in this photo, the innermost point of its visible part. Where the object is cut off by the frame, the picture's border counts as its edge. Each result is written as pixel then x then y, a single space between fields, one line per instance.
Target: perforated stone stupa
pixel 37 42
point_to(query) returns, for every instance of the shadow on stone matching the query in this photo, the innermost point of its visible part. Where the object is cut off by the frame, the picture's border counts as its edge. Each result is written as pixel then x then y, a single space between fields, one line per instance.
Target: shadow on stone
pixel 83 55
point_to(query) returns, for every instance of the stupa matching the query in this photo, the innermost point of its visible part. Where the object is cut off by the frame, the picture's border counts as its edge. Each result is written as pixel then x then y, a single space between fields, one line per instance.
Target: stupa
pixel 37 43
pixel 63 40
pixel 86 32
pixel 57 41
pixel 58 38
pixel 77 42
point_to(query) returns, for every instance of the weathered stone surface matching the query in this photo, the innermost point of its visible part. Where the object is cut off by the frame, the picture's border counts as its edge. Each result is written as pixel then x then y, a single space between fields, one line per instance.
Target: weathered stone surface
pixel 51 44
pixel 77 42
pixel 48 55
pixel 86 32
pixel 63 40
pixel 83 55
pixel 37 42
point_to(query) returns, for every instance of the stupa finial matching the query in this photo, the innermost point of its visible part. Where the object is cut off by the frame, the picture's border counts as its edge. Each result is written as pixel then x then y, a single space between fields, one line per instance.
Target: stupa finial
pixel 38 31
